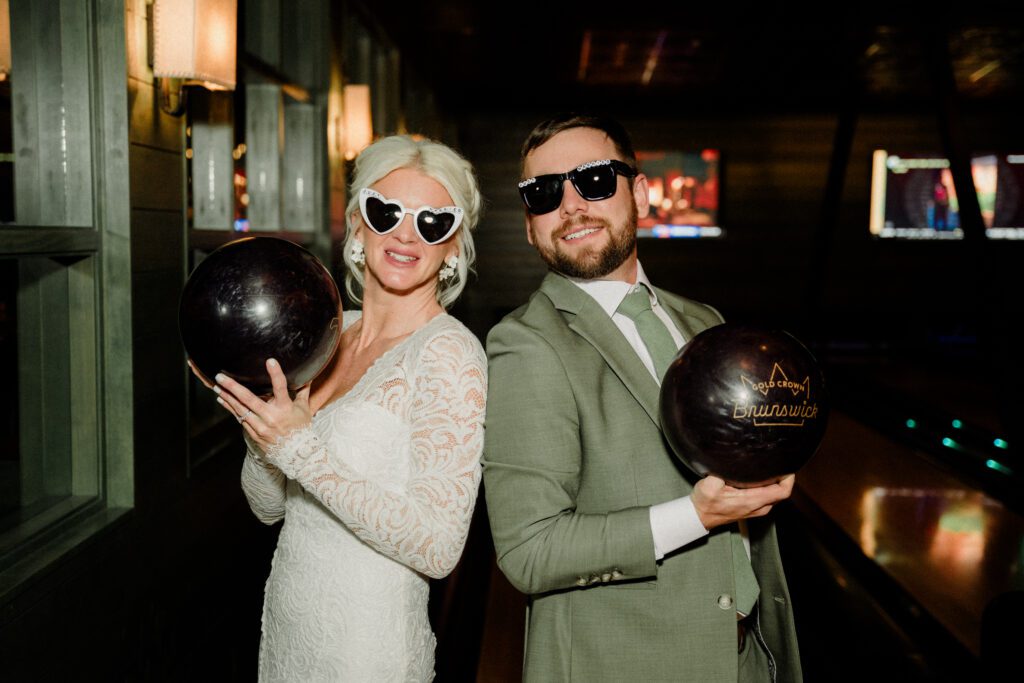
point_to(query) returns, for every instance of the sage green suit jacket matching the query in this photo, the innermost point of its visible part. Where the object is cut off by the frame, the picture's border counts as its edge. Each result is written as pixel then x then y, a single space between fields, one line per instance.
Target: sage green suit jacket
pixel 573 459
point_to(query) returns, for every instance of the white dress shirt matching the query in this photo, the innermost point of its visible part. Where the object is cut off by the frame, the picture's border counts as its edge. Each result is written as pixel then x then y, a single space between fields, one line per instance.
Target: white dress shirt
pixel 674 523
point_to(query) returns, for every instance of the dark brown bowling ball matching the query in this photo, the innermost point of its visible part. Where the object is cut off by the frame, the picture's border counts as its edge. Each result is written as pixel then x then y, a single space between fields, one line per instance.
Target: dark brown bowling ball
pixel 744 403
pixel 257 298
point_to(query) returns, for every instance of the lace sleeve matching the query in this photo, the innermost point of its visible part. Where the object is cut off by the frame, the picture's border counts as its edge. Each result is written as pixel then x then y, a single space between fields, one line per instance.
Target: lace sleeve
pixel 263 484
pixel 421 519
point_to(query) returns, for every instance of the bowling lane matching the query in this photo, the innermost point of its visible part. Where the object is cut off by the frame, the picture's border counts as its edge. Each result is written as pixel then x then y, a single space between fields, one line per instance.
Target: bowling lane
pixel 952 548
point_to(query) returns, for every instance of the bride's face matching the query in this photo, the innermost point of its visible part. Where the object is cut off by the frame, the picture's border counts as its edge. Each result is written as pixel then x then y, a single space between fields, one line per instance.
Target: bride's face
pixel 400 261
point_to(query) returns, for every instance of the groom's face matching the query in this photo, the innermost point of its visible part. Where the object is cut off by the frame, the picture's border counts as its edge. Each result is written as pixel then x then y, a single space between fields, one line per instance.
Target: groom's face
pixel 585 239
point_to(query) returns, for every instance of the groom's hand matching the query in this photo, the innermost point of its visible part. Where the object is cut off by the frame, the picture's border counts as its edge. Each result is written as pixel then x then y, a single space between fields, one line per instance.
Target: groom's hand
pixel 718 503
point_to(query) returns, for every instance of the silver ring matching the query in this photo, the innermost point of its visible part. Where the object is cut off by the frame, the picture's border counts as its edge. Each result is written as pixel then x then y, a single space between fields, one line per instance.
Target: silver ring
pixel 244 415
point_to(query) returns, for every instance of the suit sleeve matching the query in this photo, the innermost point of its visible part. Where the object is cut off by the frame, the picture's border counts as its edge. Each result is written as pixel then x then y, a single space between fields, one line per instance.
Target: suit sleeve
pixel 532 465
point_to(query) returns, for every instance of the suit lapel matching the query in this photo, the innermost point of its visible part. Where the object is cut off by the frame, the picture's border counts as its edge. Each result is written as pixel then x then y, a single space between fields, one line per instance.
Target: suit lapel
pixel 585 317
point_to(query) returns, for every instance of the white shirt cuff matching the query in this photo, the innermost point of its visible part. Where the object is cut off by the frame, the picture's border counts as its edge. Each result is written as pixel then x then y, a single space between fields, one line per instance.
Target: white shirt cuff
pixel 674 524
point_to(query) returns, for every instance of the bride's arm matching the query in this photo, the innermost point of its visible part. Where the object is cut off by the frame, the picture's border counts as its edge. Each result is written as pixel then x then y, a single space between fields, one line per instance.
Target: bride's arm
pixel 263 484
pixel 423 523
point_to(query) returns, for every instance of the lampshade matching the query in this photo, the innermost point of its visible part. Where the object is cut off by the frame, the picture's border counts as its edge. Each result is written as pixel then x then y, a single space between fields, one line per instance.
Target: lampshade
pixel 358 121
pixel 5 38
pixel 195 40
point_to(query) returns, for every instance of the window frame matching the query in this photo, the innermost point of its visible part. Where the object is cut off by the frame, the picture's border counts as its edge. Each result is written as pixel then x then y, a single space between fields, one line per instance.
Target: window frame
pixel 98 253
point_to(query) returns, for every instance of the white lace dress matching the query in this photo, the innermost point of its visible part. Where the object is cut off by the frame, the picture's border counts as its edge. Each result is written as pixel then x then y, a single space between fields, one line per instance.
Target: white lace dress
pixel 377 495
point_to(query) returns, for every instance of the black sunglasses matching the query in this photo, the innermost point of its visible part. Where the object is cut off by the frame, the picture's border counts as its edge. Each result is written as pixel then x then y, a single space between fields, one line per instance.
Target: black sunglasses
pixel 594 180
pixel 382 215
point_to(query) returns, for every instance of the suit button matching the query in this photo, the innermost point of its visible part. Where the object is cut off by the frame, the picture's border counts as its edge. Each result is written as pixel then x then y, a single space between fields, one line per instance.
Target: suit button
pixel 724 601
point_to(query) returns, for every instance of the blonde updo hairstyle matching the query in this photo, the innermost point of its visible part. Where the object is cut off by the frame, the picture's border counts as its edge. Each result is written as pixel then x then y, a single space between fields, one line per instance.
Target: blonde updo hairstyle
pixel 436 161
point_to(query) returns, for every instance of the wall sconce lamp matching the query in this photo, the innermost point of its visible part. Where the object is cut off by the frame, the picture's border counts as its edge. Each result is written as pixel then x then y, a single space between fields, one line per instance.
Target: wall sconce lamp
pixel 194 43
pixel 5 39
pixel 358 124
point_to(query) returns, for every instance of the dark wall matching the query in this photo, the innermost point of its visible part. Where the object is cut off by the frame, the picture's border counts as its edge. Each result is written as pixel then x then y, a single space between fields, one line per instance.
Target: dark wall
pixel 173 593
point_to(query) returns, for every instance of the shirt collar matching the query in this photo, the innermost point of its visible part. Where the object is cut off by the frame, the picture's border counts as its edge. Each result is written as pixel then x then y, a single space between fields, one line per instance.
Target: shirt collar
pixel 610 293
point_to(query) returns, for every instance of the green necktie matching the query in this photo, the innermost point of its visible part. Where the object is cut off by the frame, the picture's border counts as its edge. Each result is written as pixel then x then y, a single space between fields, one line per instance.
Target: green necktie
pixel 747 589
pixel 662 348
pixel 656 337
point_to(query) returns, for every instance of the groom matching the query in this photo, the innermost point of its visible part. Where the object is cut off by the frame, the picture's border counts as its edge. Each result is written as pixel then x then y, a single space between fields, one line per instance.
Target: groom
pixel 636 569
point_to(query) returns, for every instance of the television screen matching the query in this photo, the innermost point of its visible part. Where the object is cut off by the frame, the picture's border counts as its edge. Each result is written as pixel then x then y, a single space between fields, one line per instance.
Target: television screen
pixel 684 193
pixel 913 197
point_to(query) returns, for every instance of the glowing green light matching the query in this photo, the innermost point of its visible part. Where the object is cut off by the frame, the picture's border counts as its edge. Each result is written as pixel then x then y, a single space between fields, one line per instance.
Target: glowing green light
pixel 963 521
pixel 999 443
pixel 911 423
pixel 957 424
pixel 998 467
pixel 948 442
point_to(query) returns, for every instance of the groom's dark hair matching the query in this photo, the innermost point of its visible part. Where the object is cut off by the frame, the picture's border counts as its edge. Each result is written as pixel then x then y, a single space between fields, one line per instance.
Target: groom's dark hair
pixel 545 130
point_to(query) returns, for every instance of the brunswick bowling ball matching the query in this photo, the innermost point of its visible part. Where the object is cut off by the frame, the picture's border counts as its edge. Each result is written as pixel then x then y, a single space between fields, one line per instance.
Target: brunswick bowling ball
pixel 744 403
pixel 257 298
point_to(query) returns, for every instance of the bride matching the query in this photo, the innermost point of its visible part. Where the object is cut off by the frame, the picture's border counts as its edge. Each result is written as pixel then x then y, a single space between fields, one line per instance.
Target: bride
pixel 375 467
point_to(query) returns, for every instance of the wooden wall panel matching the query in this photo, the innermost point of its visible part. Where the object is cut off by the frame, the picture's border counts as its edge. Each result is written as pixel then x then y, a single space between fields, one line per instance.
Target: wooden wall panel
pixel 156 179
pixel 158 242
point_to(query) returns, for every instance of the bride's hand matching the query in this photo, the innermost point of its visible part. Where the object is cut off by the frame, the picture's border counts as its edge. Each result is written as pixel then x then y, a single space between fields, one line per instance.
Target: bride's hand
pixel 266 421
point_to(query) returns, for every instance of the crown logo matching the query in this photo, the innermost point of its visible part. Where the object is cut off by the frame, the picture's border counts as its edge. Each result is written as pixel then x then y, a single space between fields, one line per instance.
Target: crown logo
pixel 779 380
pixel 787 412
